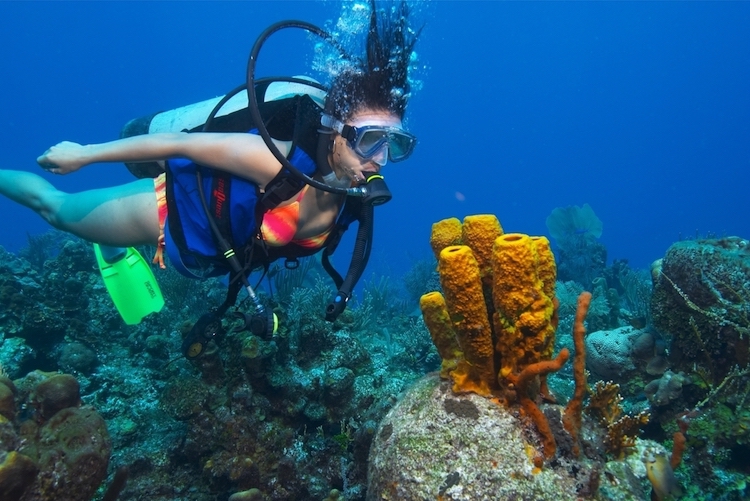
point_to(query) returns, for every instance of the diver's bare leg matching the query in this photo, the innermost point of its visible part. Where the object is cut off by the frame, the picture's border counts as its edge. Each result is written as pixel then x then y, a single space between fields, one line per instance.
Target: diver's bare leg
pixel 119 216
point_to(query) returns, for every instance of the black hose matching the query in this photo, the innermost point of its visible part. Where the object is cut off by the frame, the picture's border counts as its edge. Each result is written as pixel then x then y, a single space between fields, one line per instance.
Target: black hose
pixel 253 100
pixel 360 256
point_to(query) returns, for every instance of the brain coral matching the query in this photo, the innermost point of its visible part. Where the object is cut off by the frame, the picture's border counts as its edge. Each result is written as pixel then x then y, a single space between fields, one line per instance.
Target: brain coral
pixel 608 353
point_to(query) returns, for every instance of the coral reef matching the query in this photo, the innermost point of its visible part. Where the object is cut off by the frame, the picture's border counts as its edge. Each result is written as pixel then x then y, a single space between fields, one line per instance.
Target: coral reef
pixel 291 417
pixel 294 417
pixel 40 316
pixel 701 303
pixel 516 290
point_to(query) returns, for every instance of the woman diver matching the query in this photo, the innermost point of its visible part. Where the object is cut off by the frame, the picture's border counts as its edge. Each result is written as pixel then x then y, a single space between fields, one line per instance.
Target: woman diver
pixel 358 130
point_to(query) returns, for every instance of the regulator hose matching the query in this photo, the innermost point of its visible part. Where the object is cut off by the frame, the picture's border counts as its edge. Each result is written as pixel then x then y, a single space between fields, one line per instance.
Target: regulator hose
pixel 253 105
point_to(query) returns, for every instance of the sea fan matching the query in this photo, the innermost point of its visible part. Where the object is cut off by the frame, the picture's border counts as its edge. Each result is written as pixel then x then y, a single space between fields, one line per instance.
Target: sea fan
pixel 566 222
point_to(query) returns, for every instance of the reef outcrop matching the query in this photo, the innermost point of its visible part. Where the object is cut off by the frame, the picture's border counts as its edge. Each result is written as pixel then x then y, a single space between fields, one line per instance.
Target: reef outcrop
pixel 701 299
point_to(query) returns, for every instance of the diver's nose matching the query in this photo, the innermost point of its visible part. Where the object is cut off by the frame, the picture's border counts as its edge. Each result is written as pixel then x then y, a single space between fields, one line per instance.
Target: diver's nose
pixel 381 157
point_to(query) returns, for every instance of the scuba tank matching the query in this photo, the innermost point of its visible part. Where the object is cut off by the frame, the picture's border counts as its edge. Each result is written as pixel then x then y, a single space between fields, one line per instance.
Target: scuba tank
pixel 239 112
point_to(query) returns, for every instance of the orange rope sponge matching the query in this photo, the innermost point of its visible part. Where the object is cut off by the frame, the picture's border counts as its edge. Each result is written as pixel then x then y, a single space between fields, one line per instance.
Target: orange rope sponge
pixel 522 382
pixel 678 447
pixel 572 415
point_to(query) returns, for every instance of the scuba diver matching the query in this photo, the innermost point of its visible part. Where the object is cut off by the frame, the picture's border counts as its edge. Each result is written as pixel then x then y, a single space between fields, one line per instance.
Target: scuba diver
pixel 226 202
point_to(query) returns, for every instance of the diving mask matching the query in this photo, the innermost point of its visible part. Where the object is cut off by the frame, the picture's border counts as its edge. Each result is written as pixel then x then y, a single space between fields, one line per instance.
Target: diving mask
pixel 368 140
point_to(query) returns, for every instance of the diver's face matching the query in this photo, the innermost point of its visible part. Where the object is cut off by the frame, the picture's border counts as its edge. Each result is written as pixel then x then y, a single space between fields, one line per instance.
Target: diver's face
pixel 347 162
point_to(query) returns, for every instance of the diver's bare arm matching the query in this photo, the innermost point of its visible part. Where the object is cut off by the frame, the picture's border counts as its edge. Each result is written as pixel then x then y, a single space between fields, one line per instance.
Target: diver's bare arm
pixel 242 154
pixel 67 157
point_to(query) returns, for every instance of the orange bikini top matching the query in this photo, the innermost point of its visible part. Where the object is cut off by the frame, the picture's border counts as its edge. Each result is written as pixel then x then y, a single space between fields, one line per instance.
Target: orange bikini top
pixel 280 225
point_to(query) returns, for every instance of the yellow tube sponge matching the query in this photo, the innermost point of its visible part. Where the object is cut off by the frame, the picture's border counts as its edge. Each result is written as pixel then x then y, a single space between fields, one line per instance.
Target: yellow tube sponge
pixel 523 311
pixel 444 233
pixel 462 287
pixel 438 322
pixel 479 232
pixel 514 270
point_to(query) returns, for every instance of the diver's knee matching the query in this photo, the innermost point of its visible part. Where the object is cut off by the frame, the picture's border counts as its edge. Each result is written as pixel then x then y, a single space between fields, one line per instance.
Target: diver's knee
pixel 48 205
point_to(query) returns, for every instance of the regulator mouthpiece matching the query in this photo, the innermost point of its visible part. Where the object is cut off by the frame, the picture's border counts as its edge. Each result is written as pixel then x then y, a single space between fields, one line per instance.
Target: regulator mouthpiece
pixel 376 192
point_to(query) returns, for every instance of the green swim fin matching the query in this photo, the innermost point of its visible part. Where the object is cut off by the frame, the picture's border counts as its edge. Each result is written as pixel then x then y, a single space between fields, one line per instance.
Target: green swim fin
pixel 130 282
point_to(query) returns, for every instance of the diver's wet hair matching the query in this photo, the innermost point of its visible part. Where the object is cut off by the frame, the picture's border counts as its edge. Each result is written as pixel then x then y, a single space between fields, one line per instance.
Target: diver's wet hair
pixel 380 81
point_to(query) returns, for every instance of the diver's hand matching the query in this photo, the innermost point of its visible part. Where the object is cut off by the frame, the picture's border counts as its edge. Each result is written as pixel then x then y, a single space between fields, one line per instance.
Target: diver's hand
pixel 63 158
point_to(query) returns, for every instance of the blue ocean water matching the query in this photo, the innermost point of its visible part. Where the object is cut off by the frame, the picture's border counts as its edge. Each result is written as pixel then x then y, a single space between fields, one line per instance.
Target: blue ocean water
pixel 640 109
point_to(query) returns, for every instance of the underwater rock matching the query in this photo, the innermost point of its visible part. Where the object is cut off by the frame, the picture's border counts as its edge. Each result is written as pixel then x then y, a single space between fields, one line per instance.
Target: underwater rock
pixel 315 412
pixel 257 355
pixel 434 444
pixel 42 316
pixel 338 383
pixel 157 346
pixel 701 299
pixel 184 397
pixel 657 365
pixel 210 364
pixel 643 344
